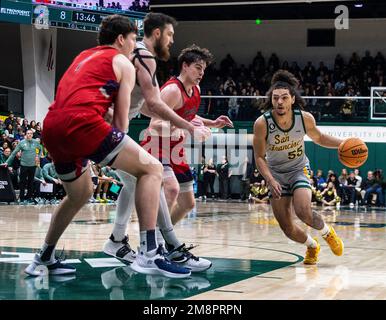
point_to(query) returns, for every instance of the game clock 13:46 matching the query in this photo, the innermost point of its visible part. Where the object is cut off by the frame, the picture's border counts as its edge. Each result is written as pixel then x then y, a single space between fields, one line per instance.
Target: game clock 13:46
pixel 86 17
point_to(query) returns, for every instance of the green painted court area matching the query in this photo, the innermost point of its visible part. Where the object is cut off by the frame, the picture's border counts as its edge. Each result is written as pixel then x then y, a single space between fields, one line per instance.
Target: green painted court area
pixel 100 277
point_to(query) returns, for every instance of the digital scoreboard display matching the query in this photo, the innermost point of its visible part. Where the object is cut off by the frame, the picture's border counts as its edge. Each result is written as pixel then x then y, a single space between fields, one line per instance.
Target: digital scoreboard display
pixel 62 15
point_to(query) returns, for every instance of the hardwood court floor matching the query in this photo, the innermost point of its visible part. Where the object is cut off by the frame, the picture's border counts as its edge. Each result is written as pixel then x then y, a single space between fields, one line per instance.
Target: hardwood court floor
pixel 252 259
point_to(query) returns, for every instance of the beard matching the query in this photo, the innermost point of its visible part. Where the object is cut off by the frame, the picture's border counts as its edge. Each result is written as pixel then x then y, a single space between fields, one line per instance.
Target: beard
pixel 161 51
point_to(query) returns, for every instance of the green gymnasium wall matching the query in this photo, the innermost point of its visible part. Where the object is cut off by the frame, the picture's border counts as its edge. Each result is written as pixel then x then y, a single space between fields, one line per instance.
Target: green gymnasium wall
pixel 320 158
pixel 326 159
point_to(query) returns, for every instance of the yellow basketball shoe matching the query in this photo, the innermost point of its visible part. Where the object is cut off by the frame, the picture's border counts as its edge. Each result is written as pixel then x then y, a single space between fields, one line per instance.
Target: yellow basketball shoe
pixel 335 243
pixel 312 254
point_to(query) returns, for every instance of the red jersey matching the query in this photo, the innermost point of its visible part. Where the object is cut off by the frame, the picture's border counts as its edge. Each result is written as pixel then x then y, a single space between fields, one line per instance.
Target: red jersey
pixel 190 104
pixel 173 153
pixel 89 84
pixel 74 127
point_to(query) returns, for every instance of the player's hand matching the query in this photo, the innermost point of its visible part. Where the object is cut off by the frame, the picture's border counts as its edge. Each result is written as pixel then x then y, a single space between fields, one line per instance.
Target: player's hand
pixel 5 165
pixel 176 133
pixel 275 188
pixel 223 121
pixel 201 134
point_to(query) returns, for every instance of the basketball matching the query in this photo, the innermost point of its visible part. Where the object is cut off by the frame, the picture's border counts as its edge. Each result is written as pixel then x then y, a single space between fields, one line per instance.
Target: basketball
pixel 352 152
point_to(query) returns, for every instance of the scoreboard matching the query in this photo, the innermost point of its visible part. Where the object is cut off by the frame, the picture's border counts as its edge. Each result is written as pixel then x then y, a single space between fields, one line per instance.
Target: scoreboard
pixel 58 15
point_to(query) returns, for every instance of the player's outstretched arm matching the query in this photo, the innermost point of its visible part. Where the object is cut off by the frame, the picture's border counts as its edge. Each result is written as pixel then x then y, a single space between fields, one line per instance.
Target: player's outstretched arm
pixel 316 135
pixel 220 122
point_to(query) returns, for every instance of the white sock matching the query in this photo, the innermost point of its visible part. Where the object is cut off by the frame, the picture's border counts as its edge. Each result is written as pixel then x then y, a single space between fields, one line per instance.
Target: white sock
pixel 119 231
pixel 310 243
pixel 104 195
pixel 325 231
pixel 125 205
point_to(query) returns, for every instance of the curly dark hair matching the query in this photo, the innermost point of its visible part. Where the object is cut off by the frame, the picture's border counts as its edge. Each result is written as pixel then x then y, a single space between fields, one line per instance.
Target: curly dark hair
pixel 193 54
pixel 282 79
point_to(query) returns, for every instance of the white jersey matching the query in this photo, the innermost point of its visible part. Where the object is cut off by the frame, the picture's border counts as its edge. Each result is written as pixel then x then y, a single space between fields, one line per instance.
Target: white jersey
pixel 285 148
pixel 137 100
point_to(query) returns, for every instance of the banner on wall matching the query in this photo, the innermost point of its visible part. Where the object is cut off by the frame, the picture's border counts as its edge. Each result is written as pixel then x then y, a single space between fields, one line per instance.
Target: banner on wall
pixel 367 134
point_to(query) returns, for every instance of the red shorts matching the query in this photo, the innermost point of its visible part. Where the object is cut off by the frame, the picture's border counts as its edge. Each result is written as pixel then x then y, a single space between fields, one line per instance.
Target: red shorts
pixel 73 139
pixel 169 153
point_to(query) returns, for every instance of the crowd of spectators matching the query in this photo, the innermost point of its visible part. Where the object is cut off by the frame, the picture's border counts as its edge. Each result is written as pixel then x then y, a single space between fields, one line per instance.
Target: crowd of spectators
pixel 32 172
pixel 346 77
pixel 347 188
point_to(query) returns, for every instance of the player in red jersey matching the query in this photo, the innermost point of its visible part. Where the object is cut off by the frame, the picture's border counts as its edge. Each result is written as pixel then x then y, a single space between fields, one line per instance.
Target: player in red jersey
pixel 182 94
pixel 97 79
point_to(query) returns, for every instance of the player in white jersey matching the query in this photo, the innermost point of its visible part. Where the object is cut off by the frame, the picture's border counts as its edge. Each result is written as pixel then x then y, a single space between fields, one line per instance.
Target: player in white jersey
pixel 159 31
pixel 278 144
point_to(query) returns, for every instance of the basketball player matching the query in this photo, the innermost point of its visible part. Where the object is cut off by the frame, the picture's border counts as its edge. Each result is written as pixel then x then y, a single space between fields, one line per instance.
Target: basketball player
pixel 98 78
pixel 159 31
pixel 280 157
pixel 182 94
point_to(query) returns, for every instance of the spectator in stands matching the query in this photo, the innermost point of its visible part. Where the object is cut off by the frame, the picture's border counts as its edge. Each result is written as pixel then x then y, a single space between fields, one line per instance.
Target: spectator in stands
pixel 201 192
pixel 229 83
pixel 224 174
pixel 38 132
pixel 228 63
pixel 5 155
pixel 38 181
pixel 321 182
pixel 32 125
pixel 343 177
pixel 50 175
pixel 256 178
pixel 209 178
pixel 350 188
pixel 31 151
pixel 359 179
pixel 25 125
pixel 329 195
pixel 9 131
pixel 20 135
pixel 104 183
pixel 258 62
pixel 233 106
pixel 274 61
pixel 259 194
pixel 373 186
pixel 5 145
pixel 209 104
pixel 333 178
pixel 10 120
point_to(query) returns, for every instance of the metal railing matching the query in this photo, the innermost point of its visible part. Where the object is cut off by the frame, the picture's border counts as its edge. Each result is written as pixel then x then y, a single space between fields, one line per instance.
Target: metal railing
pixel 324 108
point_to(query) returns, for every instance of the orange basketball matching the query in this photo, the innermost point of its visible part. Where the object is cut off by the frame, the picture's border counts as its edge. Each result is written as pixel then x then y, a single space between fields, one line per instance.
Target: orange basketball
pixel 352 152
